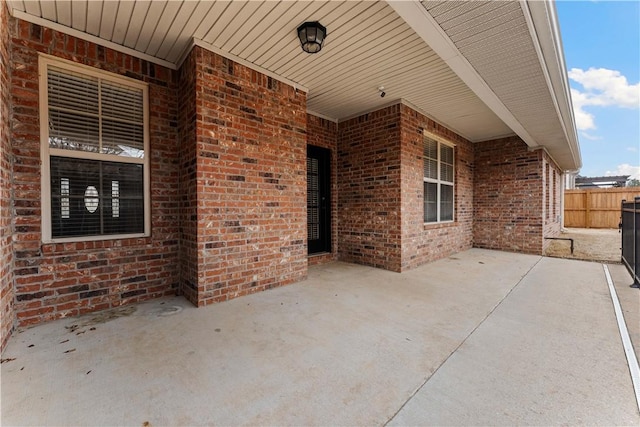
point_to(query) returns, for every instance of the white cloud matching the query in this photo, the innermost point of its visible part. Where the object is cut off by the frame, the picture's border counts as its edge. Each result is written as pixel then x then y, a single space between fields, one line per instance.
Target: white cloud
pixel 632 149
pixel 602 88
pixel 625 169
pixel 584 120
pixel 605 87
pixel 589 136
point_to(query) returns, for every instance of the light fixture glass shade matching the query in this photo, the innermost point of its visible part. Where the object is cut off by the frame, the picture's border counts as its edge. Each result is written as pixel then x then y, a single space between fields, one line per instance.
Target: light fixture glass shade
pixel 311 35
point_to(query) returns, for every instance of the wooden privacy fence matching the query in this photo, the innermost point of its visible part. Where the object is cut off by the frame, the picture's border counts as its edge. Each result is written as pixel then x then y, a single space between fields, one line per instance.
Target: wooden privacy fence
pixel 596 207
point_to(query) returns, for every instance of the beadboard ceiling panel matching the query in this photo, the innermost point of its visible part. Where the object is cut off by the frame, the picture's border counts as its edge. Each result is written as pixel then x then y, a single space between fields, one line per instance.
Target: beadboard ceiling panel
pixel 369 44
pixel 513 72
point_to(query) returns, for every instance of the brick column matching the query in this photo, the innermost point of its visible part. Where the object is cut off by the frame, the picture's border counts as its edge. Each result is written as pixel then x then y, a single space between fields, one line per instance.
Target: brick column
pixel 7 290
pixel 243 178
pixel 369 189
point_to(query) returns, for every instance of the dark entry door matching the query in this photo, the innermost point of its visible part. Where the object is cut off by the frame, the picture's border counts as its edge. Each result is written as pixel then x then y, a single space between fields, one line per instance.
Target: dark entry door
pixel 318 199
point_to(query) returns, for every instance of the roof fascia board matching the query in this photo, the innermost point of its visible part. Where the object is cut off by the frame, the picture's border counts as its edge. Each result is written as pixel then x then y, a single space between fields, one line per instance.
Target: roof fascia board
pixel 90 38
pixel 425 26
pixel 234 58
pixel 542 21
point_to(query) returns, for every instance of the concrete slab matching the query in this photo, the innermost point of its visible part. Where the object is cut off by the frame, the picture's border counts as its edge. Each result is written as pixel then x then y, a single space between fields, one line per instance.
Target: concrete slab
pixel 549 354
pixel 350 345
pixel 629 301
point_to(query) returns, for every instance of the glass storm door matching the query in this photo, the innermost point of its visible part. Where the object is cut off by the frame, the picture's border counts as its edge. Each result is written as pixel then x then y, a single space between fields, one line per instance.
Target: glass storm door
pixel 318 199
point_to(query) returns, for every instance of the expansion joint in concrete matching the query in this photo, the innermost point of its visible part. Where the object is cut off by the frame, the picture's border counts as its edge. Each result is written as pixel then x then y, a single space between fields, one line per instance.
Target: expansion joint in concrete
pixel 417 390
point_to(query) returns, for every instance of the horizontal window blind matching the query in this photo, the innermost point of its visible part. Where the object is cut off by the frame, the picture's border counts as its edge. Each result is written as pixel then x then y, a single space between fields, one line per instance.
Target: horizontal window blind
pixel 94 115
pixel 90 197
pixel 122 120
pixel 446 163
pixel 439 175
pixel 430 202
pixel 430 159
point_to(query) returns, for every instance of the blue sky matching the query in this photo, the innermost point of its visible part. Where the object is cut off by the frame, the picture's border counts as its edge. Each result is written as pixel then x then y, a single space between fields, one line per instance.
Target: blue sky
pixel 602 52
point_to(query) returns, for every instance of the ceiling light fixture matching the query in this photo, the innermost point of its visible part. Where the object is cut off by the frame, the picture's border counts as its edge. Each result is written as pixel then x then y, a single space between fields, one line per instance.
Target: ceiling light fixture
pixel 312 35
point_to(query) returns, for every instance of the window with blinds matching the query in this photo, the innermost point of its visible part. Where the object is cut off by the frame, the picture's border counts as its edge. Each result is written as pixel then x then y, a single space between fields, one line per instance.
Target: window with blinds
pixel 95 185
pixel 438 181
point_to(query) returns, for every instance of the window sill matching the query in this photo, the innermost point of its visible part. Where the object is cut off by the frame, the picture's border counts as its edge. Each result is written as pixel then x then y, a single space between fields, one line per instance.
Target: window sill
pixel 433 225
pixel 80 239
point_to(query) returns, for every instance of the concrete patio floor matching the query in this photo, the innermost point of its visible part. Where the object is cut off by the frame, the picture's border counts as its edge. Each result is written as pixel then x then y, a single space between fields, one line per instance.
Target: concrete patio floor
pixel 482 337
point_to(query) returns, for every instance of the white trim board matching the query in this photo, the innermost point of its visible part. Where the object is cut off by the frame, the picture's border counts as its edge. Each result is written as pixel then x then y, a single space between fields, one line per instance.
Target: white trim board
pixel 632 361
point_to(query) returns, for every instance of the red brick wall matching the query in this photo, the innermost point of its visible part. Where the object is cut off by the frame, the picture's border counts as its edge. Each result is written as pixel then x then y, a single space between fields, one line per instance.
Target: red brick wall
pixel 7 293
pixel 423 243
pixel 508 196
pixel 369 190
pixel 250 180
pixel 58 280
pixel 324 133
pixel 228 182
pixel 552 194
pixel 188 183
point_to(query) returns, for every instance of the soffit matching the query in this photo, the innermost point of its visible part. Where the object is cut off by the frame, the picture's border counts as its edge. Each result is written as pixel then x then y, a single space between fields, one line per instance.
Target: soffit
pixel 514 72
pixel 368 45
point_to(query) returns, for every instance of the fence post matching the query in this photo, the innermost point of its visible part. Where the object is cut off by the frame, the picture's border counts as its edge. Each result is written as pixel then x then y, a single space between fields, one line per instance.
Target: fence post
pixel 636 216
pixel 587 207
pixel 621 229
pixel 630 223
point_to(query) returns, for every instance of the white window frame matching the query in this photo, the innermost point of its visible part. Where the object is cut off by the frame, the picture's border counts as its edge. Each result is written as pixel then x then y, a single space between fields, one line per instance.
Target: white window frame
pixel 44 61
pixel 439 182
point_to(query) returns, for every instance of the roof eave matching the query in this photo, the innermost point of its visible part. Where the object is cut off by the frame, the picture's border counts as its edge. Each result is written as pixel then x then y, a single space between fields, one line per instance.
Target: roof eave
pixel 545 32
pixel 428 29
pixel 543 29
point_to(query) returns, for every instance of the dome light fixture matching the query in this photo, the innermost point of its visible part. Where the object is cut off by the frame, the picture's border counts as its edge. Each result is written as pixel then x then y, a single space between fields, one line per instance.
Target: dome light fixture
pixel 312 35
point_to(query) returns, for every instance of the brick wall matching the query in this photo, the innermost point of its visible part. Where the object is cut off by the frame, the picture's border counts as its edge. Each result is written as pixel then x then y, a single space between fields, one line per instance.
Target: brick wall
pixel 369 191
pixel 58 280
pixel 188 183
pixel 423 243
pixel 552 195
pixel 7 293
pixel 250 176
pixel 228 184
pixel 509 205
pixel 324 133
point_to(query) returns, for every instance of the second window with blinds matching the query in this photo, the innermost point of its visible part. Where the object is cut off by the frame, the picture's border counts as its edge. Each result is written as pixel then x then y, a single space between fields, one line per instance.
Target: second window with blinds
pixel 95 153
pixel 439 182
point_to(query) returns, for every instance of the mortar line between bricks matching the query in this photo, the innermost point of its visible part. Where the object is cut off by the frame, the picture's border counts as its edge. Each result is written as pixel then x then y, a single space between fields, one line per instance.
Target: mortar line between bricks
pixel 462 342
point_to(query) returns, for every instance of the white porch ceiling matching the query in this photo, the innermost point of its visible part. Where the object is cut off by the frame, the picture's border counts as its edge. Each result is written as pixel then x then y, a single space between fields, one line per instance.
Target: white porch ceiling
pixel 368 44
